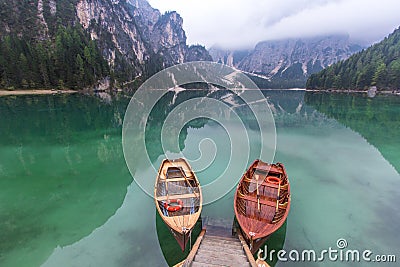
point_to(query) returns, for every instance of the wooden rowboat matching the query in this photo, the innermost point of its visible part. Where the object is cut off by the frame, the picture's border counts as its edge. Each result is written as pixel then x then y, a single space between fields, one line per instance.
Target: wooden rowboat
pixel 262 202
pixel 178 198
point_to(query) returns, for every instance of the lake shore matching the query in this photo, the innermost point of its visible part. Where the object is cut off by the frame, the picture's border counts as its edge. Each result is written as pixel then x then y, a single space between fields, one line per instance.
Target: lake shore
pixel 394 92
pixel 35 92
pixel 51 92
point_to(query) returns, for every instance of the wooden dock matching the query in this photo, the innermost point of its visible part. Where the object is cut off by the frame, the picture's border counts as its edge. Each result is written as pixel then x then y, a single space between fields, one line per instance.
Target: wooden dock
pixel 215 246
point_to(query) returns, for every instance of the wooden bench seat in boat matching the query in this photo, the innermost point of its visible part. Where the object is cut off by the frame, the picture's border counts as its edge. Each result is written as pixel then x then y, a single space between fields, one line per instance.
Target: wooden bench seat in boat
pixel 265 183
pixel 163 198
pixel 262 201
pixel 177 179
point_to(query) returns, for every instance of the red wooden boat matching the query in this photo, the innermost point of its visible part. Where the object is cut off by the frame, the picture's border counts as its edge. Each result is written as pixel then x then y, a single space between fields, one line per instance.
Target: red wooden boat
pixel 262 202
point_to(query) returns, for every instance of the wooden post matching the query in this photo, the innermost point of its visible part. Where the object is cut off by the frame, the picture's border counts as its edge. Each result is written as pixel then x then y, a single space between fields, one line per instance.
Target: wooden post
pixel 247 250
pixel 193 252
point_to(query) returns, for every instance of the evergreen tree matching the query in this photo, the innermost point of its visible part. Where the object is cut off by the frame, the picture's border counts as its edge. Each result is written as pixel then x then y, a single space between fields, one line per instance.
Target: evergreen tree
pixel 72 60
pixel 378 65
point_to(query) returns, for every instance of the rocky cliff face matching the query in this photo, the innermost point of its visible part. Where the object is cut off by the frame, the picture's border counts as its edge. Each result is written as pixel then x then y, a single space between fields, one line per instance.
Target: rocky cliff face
pixel 135 39
pixel 294 59
pixel 197 53
pixel 134 31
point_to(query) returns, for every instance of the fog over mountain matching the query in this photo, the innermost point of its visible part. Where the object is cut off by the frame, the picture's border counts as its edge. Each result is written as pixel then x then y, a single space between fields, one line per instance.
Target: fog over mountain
pixel 241 24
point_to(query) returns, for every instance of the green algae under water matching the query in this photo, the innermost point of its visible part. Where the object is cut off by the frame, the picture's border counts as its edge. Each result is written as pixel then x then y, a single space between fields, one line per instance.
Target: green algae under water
pixel 67 197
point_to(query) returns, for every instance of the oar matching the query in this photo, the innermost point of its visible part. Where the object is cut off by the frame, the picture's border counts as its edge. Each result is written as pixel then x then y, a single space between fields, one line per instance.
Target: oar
pixel 166 187
pixel 258 195
pixel 184 176
pixel 277 199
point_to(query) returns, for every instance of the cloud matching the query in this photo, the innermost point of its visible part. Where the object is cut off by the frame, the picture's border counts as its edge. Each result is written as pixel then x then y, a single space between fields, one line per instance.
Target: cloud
pixel 243 23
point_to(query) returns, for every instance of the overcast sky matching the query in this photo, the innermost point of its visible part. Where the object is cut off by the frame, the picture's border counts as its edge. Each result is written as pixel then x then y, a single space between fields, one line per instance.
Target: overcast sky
pixel 237 24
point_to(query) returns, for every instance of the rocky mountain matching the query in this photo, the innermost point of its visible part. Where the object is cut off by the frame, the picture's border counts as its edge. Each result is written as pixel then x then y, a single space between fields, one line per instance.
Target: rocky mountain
pixel 149 40
pixel 135 39
pixel 288 63
pixel 378 65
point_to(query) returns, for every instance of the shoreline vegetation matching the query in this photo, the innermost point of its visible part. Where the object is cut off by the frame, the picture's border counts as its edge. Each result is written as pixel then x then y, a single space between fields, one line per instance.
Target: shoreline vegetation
pixel 5 92
pixel 392 92
pixel 35 92
pixel 378 65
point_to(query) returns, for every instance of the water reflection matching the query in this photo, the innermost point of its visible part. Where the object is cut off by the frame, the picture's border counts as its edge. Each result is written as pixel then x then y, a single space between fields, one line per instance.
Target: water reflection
pixel 170 248
pixel 377 119
pixel 50 147
pixel 63 177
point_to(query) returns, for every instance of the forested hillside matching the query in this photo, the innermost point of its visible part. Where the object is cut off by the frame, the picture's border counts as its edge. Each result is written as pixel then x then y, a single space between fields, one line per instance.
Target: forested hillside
pixel 72 60
pixel 42 46
pixel 379 66
pixel 78 43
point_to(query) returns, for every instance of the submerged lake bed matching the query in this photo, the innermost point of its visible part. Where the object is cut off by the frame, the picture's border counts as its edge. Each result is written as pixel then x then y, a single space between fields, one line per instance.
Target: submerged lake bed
pixel 68 199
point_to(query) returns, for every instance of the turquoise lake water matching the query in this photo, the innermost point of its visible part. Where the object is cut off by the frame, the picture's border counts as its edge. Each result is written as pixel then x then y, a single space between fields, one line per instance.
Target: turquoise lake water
pixel 67 197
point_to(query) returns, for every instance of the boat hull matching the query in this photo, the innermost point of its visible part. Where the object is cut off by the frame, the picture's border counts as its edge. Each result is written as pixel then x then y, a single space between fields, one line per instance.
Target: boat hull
pixel 181 238
pixel 262 202
pixel 176 183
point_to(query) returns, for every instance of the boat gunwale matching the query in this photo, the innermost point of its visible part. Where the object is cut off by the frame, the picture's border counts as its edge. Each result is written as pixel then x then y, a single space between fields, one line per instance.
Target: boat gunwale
pixel 170 219
pixel 276 225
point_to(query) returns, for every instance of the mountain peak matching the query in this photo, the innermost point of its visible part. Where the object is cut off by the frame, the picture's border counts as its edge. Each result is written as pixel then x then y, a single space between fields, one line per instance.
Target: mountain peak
pixel 291 59
pixel 135 39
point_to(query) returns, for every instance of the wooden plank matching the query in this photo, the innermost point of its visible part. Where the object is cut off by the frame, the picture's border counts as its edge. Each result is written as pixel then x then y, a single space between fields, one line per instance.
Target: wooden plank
pixel 264 183
pixel 262 201
pixel 221 258
pixel 247 251
pixel 195 248
pixel 268 168
pixel 163 198
pixel 211 252
pixel 175 179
